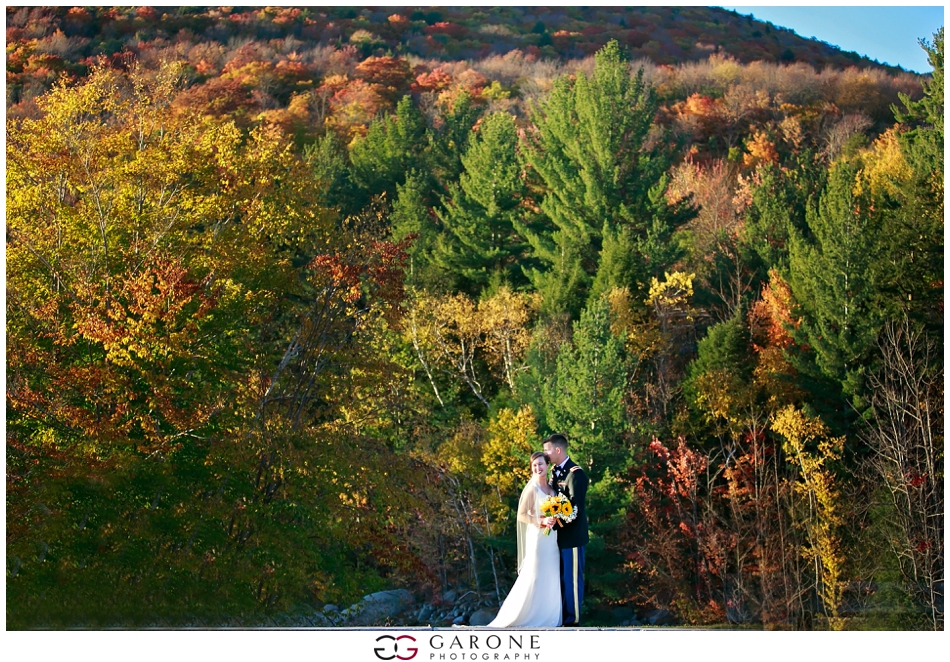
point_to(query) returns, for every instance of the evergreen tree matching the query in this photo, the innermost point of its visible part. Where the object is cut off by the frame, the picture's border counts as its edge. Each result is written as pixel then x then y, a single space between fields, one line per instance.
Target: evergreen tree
pixel 584 396
pixel 483 208
pixel 924 142
pixel 914 241
pixel 392 145
pixel 331 174
pixel 725 348
pixel 411 215
pixel 601 189
pixel 448 139
pixel 779 201
pixel 831 277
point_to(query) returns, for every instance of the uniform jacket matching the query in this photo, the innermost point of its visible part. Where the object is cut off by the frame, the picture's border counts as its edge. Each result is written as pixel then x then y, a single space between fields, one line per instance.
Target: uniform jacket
pixel 571 481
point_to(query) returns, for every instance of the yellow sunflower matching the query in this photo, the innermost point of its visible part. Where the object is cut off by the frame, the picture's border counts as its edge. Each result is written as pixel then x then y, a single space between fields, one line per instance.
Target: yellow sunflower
pixel 567 509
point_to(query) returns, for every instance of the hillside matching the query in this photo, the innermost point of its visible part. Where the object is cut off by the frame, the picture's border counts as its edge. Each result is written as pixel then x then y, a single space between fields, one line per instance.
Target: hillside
pixel 44 43
pixel 293 296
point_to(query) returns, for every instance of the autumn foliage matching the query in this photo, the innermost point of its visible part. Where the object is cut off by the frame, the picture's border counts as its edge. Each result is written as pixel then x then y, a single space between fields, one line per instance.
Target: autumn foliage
pixel 294 293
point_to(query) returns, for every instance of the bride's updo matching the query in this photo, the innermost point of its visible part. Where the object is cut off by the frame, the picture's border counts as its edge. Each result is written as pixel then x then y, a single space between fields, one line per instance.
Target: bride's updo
pixel 537 454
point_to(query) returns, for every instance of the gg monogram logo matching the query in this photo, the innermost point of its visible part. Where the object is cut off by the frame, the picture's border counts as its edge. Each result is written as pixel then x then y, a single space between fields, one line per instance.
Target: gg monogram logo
pixel 382 652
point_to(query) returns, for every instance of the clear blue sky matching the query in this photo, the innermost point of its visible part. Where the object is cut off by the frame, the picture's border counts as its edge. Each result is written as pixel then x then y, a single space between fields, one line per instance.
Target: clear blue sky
pixel 886 34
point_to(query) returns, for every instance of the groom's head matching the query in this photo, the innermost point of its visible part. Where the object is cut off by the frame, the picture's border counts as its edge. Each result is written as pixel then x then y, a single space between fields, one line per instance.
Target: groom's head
pixel 556 448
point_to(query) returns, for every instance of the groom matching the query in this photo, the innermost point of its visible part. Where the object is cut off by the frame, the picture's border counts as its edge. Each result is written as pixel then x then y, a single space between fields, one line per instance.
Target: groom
pixel 569 479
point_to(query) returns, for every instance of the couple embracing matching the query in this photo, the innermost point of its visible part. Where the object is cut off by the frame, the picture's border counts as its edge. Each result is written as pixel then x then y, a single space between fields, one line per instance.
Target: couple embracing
pixel 550 585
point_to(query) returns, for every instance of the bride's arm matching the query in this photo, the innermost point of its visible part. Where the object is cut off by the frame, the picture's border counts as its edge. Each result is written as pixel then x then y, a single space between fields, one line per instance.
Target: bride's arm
pixel 525 513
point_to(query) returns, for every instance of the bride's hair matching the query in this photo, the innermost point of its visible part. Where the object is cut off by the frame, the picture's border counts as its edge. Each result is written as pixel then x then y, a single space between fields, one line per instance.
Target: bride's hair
pixel 537 454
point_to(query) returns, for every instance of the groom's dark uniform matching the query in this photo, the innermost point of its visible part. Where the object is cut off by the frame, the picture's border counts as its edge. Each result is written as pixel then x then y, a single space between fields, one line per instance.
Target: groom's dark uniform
pixel 572 538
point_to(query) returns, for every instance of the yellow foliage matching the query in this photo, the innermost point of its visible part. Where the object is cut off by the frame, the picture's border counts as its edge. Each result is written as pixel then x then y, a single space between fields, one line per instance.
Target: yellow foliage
pixel 504 319
pixel 760 150
pixel 672 297
pixel 884 167
pixel 721 396
pixel 676 290
pixel 809 448
pixel 512 437
pixel 462 454
pixel 726 70
pixel 448 333
pixel 622 315
pixel 141 223
pixel 496 91
pixel 776 376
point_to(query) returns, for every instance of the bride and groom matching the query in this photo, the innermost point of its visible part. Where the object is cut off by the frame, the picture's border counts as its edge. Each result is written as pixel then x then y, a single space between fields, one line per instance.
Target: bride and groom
pixel 539 598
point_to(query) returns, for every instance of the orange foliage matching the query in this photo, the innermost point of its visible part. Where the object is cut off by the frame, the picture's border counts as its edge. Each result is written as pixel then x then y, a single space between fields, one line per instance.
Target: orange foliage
pixel 760 150
pixel 391 75
pixel 432 81
pixel 218 97
pixel 145 13
pixel 447 28
pixel 353 104
pixel 770 317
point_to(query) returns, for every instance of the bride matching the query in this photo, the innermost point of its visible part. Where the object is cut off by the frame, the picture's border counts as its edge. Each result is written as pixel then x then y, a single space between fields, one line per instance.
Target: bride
pixel 535 599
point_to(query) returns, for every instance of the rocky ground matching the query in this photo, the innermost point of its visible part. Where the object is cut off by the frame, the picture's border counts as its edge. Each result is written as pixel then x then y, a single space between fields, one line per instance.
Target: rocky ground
pixel 459 606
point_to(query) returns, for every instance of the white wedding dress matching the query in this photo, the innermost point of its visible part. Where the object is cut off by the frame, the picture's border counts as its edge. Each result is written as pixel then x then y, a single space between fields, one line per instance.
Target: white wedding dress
pixel 535 599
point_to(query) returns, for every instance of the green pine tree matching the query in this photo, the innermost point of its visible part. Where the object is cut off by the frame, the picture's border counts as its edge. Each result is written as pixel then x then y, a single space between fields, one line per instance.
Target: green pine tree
pixel 913 261
pixel 831 276
pixel 331 174
pixel 412 215
pixel 779 202
pixel 600 188
pixel 584 396
pixel 924 142
pixel 392 145
pixel 482 210
pixel 448 139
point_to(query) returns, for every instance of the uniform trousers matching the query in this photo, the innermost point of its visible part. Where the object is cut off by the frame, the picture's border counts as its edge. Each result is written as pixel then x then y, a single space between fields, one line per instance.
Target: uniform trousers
pixel 572 584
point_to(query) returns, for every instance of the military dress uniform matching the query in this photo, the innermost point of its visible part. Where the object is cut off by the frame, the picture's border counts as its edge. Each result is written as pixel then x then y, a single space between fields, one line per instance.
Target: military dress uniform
pixel 572 538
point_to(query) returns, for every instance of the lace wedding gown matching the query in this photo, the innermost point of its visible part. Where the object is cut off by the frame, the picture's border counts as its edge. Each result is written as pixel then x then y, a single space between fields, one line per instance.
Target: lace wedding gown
pixel 535 599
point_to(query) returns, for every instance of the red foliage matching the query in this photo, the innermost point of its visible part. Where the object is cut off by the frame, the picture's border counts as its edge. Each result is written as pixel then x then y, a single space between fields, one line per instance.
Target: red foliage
pixel 434 81
pixel 376 270
pixel 453 30
pixel 391 75
pixel 676 538
pixel 217 97
pixel 146 13
pixel 636 39
pixel 771 316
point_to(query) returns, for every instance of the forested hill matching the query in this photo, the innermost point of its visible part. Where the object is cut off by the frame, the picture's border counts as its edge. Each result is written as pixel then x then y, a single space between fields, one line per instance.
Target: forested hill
pixel 45 42
pixel 293 295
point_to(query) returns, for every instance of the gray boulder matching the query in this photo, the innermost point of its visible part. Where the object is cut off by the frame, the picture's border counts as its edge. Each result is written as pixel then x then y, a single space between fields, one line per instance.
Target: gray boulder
pixel 320 620
pixel 659 617
pixel 376 608
pixel 622 614
pixel 425 612
pixel 482 617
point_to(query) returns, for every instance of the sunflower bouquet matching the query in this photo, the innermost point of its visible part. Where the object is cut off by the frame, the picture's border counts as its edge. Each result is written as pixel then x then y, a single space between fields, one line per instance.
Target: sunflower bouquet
pixel 558 506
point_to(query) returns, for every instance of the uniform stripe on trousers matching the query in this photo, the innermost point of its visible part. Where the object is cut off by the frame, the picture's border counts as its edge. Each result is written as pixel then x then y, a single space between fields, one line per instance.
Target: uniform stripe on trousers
pixel 577 606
